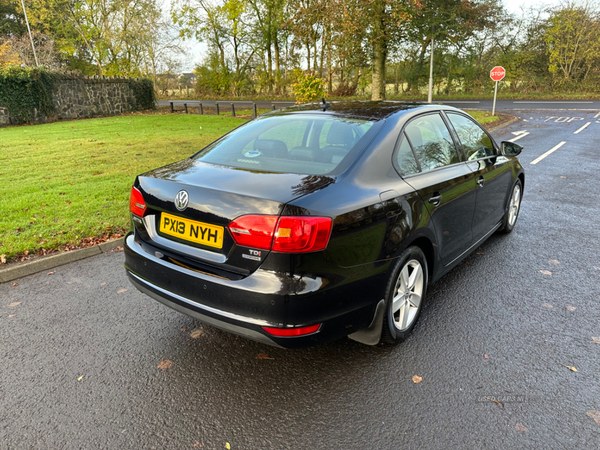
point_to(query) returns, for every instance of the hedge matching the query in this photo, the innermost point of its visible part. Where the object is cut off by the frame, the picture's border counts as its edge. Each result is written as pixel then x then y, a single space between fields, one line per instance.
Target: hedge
pixel 24 91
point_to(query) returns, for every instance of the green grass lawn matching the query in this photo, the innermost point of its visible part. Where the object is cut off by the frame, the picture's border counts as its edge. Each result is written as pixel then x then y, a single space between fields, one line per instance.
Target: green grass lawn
pixel 65 182
pixel 482 116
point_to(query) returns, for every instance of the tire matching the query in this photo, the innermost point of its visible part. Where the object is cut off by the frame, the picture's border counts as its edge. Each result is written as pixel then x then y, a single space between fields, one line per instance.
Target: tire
pixel 512 209
pixel 398 324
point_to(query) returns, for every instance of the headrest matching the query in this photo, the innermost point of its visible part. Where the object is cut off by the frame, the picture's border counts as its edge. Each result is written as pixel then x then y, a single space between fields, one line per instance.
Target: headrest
pixel 340 133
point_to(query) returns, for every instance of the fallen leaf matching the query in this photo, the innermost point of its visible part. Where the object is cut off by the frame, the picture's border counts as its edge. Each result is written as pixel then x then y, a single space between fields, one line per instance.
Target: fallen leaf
pixel 183 329
pixel 50 273
pixel 487 356
pixel 546 272
pixel 547 305
pixel 165 364
pixel 521 428
pixel 570 308
pixel 594 415
pixel 481 253
pixel 196 333
pixel 597 268
pixel 469 263
pixel 263 356
pixel 562 176
pixel 14 304
pixel 554 262
pixel 120 291
pixel 15 284
pixel 500 404
pixel 102 284
pixel 595 340
pixel 80 378
pixel 417 379
pixel 11 315
pixel 571 368
pixel 227 446
pixel 197 444
pixel 3 259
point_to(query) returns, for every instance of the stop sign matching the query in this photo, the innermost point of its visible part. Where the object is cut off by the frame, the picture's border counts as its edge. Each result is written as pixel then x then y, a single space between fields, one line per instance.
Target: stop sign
pixel 497 73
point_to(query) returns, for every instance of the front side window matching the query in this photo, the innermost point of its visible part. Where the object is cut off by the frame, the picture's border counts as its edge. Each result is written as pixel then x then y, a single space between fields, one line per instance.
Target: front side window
pixel 431 141
pixel 475 141
pixel 303 143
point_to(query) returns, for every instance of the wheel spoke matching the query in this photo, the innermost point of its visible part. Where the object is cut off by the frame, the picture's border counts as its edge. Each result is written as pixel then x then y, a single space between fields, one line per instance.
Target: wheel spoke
pixel 403 320
pixel 415 300
pixel 404 281
pixel 397 302
pixel 414 276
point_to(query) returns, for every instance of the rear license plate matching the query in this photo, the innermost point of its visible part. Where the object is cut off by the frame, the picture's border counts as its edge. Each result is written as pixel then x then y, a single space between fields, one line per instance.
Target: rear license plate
pixel 190 230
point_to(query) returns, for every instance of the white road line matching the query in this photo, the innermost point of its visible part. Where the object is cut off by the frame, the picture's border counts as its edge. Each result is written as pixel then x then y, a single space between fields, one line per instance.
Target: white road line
pixel 596 116
pixel 583 128
pixel 458 101
pixel 550 102
pixel 518 137
pixel 549 152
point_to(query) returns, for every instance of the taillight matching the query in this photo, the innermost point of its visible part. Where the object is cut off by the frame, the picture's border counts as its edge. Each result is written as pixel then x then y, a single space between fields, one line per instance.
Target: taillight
pixel 290 332
pixel 254 231
pixel 302 234
pixel 286 234
pixel 137 205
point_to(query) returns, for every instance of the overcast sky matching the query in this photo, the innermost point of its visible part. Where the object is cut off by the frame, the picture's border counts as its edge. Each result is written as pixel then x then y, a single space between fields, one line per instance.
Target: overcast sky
pixel 197 50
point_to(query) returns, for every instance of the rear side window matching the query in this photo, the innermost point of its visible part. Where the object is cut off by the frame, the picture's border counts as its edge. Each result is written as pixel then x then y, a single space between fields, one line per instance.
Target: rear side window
pixel 475 141
pixel 431 142
pixel 405 158
pixel 308 144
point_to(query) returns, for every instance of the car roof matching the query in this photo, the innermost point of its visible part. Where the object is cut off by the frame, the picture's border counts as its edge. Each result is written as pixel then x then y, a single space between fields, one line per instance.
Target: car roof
pixel 367 109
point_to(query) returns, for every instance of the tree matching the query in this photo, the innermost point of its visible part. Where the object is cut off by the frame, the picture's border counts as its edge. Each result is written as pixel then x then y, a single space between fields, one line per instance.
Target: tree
pixel 572 37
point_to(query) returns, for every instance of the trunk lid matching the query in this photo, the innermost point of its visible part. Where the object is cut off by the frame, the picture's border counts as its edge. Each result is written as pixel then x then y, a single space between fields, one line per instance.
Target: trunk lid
pixel 216 196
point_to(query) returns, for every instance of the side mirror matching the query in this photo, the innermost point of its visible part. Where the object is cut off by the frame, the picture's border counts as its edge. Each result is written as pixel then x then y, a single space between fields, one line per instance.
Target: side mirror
pixel 510 148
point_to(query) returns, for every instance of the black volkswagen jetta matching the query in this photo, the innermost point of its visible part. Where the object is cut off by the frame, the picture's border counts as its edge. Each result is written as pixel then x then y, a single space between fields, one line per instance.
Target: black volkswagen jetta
pixel 321 221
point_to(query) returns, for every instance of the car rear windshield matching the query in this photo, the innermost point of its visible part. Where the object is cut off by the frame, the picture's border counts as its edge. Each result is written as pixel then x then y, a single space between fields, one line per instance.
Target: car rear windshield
pixel 308 144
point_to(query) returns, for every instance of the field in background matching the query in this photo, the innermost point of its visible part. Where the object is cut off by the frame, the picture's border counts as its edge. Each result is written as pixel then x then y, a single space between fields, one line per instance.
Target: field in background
pixel 66 182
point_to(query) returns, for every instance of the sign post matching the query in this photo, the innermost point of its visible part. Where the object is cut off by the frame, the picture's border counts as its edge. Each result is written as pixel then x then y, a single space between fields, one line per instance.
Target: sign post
pixel 496 74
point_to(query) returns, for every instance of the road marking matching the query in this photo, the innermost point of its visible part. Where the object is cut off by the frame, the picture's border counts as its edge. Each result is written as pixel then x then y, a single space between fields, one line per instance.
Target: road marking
pixel 549 152
pixel 518 137
pixel 583 128
pixel 596 116
pixel 459 101
pixel 550 102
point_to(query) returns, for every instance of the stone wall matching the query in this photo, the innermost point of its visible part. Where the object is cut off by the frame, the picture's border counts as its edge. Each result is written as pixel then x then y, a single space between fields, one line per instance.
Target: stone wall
pixel 75 96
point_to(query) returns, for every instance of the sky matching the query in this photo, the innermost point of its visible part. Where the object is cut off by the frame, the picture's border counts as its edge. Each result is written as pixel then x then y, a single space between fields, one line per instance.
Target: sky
pixel 197 50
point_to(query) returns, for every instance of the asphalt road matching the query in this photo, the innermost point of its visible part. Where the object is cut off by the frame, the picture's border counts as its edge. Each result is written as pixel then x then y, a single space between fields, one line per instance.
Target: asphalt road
pixel 79 348
pixel 473 104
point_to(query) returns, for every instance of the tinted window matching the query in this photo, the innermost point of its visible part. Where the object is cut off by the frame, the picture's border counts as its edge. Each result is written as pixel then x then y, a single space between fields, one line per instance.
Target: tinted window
pixel 406 158
pixel 475 141
pixel 431 142
pixel 304 143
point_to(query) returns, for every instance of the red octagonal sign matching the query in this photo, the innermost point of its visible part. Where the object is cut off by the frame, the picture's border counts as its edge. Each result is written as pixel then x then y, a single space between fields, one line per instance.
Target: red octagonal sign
pixel 497 73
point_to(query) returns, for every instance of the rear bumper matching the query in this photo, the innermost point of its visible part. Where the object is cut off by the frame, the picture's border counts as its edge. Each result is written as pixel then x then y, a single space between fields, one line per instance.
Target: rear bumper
pixel 262 299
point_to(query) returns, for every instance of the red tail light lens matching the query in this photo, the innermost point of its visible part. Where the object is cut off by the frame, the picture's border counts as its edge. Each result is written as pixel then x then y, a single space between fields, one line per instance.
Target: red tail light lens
pixel 254 231
pixel 286 234
pixel 302 234
pixel 290 332
pixel 137 205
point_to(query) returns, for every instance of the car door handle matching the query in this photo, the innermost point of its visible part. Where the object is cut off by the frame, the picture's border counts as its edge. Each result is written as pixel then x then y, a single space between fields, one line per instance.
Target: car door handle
pixel 480 181
pixel 435 200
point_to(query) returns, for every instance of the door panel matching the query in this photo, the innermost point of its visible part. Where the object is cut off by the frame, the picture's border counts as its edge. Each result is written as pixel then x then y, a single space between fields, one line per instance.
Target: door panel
pixel 496 173
pixel 453 189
